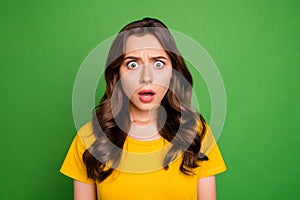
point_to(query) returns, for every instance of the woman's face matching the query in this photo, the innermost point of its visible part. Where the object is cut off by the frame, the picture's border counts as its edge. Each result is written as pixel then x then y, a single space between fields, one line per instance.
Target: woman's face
pixel 145 72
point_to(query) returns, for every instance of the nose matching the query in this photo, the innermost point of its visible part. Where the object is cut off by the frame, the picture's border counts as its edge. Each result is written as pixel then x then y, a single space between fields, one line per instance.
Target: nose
pixel 146 75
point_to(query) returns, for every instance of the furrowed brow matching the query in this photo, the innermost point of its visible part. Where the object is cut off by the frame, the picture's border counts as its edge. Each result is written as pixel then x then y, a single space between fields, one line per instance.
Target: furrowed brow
pixel 132 58
pixel 158 58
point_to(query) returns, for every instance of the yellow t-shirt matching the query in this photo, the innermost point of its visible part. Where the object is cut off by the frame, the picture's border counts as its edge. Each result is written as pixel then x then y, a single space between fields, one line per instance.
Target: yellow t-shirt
pixel 140 174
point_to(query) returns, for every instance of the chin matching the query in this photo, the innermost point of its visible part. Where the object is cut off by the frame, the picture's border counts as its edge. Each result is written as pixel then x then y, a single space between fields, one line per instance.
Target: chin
pixel 146 107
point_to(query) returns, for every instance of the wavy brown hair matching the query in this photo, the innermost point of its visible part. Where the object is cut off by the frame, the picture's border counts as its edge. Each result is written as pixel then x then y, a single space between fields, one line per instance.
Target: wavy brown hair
pixel 180 128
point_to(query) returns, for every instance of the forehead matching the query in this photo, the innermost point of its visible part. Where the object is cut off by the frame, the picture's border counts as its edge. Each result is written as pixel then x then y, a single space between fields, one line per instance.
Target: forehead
pixel 136 43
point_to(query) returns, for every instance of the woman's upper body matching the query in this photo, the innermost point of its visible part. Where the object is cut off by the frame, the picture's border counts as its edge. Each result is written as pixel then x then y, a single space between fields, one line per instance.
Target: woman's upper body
pixel 130 182
pixel 145 140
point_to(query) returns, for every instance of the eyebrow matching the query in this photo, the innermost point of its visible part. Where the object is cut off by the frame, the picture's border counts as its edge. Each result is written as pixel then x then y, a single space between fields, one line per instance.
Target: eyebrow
pixel 139 58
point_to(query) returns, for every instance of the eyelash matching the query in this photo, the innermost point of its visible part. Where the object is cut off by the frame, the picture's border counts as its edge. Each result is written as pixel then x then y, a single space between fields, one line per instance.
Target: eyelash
pixel 127 63
pixel 161 62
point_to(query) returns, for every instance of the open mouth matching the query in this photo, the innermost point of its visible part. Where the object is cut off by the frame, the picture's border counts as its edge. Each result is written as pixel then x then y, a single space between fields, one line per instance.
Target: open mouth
pixel 146 96
pixel 147 92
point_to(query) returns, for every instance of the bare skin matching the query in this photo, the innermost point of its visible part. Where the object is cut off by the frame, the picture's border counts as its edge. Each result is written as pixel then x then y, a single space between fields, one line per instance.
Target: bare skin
pixel 84 191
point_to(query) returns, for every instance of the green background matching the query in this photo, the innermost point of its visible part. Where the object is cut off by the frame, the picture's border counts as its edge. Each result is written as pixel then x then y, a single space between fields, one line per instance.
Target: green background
pixel 255 45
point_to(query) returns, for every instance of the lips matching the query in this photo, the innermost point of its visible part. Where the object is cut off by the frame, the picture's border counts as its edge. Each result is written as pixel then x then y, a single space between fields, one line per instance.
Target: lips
pixel 146 96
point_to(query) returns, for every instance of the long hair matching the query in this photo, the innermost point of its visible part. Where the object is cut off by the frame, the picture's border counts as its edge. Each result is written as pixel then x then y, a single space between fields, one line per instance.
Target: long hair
pixel 181 127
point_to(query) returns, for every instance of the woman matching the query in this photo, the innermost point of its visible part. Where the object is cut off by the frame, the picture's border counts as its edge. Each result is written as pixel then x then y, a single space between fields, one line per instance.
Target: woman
pixel 145 141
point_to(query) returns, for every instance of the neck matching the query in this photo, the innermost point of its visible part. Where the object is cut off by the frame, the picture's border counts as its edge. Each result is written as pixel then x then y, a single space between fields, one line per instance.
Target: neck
pixel 143 124
pixel 143 117
pixel 144 133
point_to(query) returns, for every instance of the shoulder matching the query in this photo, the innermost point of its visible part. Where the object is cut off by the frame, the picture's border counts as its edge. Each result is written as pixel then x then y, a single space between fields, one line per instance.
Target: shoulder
pixel 207 138
pixel 215 163
pixel 86 134
pixel 86 128
pixel 73 165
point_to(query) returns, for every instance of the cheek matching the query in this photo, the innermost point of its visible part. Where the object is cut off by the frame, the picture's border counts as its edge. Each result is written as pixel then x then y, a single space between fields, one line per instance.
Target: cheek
pixel 129 84
pixel 162 86
pixel 163 79
pixel 162 92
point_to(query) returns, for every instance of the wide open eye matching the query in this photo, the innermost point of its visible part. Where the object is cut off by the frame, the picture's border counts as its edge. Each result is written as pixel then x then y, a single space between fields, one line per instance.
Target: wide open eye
pixel 159 64
pixel 132 65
